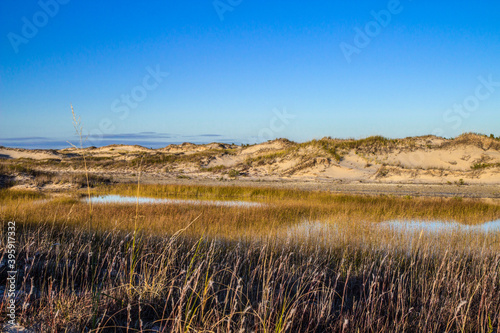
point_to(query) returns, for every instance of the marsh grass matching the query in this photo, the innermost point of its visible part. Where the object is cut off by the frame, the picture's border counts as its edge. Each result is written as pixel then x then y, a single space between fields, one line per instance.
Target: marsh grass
pixel 316 204
pixel 352 283
pixel 192 268
pixel 9 196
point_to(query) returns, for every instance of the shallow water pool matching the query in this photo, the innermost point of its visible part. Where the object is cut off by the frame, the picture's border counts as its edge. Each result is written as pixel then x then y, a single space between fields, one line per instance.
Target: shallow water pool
pixel 318 229
pixel 438 226
pixel 120 199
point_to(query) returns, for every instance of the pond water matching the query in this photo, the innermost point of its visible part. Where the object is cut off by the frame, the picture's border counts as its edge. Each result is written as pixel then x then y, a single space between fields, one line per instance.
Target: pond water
pixel 437 226
pixel 104 199
pixel 318 230
pixel 310 229
pixel 313 228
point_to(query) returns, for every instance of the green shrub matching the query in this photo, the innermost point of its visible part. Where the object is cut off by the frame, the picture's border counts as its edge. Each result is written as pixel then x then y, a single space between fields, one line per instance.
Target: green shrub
pixel 233 173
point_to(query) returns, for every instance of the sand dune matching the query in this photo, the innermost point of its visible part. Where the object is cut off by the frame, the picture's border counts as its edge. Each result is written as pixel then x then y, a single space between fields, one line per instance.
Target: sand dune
pixel 38 154
pixel 428 159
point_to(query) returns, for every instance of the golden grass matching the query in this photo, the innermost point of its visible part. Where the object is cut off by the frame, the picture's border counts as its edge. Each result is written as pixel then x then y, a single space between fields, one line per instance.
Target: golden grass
pixel 184 284
pixel 192 268
pixel 316 204
pixel 279 209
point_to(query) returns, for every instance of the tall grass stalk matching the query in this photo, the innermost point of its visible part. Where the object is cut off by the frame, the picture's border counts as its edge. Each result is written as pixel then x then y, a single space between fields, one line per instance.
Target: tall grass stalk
pixel 77 124
pixel 133 253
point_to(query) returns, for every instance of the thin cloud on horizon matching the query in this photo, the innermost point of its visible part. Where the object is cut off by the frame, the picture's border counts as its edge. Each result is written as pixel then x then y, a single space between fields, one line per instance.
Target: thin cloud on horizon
pixel 146 139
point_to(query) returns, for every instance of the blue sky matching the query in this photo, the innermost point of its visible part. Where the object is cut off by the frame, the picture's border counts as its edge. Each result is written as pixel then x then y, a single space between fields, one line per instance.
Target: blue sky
pixel 162 72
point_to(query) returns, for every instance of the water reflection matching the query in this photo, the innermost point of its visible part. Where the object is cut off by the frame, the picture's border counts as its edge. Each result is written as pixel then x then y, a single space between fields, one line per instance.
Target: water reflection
pixel 319 230
pixel 437 226
pixel 104 199
pixel 310 229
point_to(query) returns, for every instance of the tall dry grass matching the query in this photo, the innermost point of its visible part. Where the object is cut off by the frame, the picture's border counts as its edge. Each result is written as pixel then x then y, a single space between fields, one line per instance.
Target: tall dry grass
pixel 192 268
pixel 208 284
pixel 315 204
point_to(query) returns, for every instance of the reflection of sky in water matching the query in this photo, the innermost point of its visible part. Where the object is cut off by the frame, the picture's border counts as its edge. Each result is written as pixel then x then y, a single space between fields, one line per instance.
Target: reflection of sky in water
pixel 436 226
pixel 320 230
pixel 143 200
pixel 310 229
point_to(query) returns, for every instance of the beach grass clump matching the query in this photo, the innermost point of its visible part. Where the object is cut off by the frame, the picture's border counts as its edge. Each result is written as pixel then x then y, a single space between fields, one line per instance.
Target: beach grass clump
pixel 479 166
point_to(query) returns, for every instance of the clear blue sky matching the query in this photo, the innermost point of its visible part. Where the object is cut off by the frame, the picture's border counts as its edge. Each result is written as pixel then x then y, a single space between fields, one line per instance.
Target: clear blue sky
pixel 235 67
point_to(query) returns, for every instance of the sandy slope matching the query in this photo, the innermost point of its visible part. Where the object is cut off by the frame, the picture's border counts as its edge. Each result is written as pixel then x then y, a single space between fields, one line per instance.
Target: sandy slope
pixel 469 158
pixel 14 153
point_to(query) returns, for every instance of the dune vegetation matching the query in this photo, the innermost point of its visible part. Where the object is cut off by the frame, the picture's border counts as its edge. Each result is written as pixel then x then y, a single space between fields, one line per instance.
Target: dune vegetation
pixel 474 158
